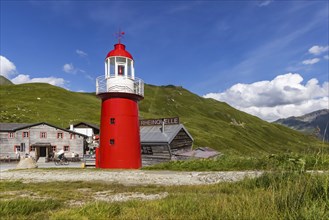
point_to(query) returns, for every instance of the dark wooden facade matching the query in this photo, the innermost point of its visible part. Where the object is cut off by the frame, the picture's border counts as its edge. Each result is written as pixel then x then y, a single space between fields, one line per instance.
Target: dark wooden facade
pixel 160 146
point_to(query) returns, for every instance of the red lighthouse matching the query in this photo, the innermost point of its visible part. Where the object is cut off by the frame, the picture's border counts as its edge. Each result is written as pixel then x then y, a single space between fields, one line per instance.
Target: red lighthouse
pixel 120 92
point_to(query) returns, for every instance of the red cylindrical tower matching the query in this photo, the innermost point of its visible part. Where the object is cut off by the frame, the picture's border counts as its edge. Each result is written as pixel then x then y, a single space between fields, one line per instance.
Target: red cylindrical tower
pixel 120 92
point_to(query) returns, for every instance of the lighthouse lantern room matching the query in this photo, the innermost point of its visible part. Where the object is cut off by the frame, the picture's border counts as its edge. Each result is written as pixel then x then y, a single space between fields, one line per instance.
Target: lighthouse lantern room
pixel 120 92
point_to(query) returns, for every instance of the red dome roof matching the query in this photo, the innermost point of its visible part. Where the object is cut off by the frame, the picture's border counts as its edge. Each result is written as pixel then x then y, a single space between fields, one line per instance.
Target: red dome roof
pixel 119 50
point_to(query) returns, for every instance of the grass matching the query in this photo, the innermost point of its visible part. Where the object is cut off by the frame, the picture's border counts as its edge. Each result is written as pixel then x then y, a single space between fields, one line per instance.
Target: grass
pixel 276 195
pixel 23 208
pixel 272 162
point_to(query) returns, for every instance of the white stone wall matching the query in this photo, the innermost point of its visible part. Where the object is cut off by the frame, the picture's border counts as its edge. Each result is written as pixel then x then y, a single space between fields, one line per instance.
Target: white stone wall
pixel 7 145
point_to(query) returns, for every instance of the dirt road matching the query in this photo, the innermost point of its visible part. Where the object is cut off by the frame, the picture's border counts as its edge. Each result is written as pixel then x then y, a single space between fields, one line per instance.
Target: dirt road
pixel 127 177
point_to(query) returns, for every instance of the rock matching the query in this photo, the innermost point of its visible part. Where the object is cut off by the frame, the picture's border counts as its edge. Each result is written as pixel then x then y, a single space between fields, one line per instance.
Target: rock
pixel 26 163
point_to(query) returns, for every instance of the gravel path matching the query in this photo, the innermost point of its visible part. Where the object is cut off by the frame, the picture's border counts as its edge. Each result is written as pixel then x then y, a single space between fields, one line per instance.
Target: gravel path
pixel 128 177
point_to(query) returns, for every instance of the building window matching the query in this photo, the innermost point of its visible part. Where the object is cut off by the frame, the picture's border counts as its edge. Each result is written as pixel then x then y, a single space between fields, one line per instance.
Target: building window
pixel 112 141
pixel 112 121
pixel 66 148
pixel 17 148
pixel 22 147
pixel 11 135
pixel 25 134
pixel 147 150
pixel 43 134
pixel 72 136
pixel 32 148
pixel 60 135
pixel 53 148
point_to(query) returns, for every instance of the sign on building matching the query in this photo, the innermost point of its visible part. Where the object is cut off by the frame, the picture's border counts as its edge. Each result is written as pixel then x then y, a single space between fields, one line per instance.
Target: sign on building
pixel 152 122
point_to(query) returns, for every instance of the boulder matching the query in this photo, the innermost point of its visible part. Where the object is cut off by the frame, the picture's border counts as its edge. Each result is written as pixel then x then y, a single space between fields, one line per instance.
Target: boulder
pixel 26 163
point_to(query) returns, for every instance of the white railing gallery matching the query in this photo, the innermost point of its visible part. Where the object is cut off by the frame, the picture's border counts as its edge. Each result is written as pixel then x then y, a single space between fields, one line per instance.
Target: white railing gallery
pixel 102 85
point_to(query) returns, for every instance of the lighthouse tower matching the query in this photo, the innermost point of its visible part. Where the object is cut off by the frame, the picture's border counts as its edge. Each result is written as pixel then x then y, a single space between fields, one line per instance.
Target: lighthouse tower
pixel 120 92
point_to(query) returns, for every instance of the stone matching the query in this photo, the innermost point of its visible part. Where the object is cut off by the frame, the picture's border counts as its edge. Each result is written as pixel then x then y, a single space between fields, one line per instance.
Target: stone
pixel 26 163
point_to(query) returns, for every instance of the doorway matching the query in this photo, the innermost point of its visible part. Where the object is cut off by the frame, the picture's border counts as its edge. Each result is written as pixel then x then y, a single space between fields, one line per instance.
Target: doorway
pixel 43 152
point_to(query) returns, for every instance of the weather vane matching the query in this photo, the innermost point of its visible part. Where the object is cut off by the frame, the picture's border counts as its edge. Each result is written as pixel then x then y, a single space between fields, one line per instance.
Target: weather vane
pixel 119 35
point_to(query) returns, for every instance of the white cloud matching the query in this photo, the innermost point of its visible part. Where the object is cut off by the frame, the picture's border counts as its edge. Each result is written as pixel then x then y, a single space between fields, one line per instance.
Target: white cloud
pixel 51 80
pixel 265 3
pixel 282 97
pixel 69 68
pixel 81 53
pixel 7 68
pixel 316 50
pixel 311 61
pixel 326 57
pixel 89 77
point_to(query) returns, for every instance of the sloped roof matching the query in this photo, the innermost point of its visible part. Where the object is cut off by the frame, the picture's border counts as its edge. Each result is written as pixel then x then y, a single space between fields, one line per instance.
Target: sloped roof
pixel 154 134
pixel 12 127
pixel 94 126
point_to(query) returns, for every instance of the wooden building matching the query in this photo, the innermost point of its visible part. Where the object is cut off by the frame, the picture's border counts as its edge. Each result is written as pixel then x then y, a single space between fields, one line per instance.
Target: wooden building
pixel 161 139
pixel 39 140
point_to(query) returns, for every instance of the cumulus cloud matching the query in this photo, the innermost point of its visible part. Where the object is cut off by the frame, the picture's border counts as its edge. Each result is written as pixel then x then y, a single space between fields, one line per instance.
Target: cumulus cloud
pixel 316 50
pixel 311 61
pixel 7 68
pixel 26 79
pixel 81 53
pixel 282 97
pixel 69 68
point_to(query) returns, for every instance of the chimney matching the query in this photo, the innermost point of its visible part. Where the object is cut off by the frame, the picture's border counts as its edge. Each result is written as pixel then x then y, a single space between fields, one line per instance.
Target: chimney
pixel 71 127
pixel 163 126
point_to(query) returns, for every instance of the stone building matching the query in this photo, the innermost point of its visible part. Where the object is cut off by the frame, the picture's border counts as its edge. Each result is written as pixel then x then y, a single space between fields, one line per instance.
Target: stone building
pixel 39 140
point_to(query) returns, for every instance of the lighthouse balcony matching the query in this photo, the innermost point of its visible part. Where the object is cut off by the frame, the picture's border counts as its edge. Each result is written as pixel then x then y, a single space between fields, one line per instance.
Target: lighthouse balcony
pixel 119 84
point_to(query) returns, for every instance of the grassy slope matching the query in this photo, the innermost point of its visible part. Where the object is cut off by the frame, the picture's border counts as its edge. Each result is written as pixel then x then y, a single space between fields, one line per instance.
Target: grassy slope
pixel 209 121
pixel 39 102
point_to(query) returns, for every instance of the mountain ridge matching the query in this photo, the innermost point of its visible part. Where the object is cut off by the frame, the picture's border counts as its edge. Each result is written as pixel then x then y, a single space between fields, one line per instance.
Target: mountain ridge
pixel 5 81
pixel 315 123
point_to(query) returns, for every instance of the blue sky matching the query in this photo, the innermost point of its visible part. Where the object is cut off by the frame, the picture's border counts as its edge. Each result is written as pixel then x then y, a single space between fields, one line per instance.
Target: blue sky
pixel 207 47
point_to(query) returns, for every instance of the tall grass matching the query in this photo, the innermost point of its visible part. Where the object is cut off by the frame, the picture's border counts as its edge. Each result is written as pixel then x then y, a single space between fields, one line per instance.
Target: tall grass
pixel 274 195
pixel 282 161
pixel 27 208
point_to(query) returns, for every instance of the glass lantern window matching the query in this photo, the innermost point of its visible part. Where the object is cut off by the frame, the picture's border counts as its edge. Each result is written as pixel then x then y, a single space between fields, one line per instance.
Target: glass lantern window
pixel 121 70
pixel 129 68
pixel 112 66
pixel 121 60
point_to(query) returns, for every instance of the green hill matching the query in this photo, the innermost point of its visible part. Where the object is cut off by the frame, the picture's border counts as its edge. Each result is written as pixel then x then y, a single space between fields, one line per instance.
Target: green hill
pixel 212 123
pixel 4 81
pixel 40 102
